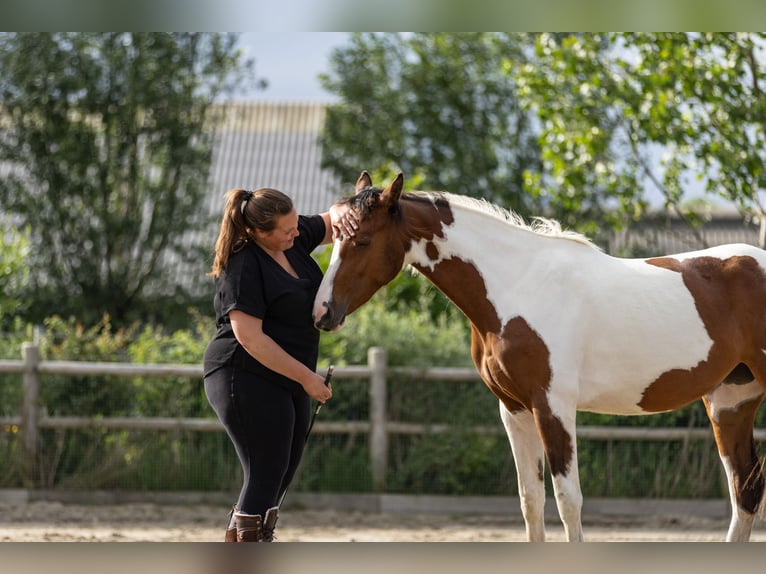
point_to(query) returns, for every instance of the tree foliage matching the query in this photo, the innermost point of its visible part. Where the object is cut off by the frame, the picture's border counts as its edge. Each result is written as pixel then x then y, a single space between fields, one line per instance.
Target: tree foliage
pixel 436 106
pixel 14 250
pixel 585 128
pixel 106 133
pixel 622 113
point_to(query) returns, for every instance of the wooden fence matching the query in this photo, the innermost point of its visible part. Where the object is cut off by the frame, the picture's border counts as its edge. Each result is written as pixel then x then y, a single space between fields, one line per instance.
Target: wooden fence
pixel 377 427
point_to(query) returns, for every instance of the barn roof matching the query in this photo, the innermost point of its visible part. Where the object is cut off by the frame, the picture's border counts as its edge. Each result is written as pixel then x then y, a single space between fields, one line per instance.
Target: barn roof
pixel 273 145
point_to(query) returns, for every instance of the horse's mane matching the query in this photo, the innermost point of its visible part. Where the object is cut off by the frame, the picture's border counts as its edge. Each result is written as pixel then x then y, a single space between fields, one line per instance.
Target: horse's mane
pixel 539 225
pixel 365 200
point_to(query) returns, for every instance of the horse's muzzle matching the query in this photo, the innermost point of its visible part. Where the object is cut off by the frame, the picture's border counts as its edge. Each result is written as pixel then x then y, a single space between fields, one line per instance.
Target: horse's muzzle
pixel 333 318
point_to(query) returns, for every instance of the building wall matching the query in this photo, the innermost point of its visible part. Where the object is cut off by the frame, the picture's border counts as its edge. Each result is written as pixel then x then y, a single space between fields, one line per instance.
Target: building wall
pixel 264 145
pixel 274 145
pixel 665 234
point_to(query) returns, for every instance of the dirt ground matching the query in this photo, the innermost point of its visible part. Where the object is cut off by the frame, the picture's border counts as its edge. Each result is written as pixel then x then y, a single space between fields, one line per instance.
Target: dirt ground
pixel 54 521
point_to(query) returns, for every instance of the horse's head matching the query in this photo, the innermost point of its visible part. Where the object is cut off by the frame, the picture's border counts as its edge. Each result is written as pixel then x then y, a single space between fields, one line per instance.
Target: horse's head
pixel 361 265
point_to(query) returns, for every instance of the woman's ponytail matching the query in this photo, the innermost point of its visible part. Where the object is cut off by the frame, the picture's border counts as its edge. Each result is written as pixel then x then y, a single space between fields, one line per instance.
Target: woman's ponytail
pixel 233 233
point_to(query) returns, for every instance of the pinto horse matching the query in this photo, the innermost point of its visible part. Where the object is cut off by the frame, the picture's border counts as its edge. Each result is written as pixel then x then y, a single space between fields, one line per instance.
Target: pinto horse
pixel 559 326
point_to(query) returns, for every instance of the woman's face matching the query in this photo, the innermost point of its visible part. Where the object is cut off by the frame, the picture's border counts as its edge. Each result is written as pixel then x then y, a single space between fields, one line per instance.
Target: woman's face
pixel 283 235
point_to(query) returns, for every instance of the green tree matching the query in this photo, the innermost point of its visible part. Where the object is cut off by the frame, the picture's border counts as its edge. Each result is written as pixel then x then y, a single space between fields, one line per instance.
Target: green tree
pixel 437 106
pixel 14 250
pixel 622 113
pixel 107 135
pixel 454 112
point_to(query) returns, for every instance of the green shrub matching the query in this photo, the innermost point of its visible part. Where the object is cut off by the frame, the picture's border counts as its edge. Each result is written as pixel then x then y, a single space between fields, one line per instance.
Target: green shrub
pixel 14 272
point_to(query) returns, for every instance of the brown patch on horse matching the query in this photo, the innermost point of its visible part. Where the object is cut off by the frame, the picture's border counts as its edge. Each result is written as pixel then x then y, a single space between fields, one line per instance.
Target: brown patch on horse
pixel 427 216
pixel 432 251
pixel 725 292
pixel 733 434
pixel 515 365
pixel 513 362
pixel 471 298
pixel 557 441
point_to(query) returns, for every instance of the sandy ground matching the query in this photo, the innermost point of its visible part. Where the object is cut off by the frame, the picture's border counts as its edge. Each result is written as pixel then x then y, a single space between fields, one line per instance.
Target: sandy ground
pixel 53 521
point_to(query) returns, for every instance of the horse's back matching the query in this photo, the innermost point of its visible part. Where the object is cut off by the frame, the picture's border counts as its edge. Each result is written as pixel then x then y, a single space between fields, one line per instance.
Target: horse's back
pixel 677 313
pixel 726 251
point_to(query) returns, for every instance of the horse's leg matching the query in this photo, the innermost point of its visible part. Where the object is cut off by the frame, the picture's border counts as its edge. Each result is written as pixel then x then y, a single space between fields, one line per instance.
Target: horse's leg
pixel 530 468
pixel 731 408
pixel 559 437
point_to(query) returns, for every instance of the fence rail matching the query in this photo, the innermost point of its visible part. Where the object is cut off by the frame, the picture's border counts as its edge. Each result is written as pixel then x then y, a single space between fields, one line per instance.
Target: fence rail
pixel 378 428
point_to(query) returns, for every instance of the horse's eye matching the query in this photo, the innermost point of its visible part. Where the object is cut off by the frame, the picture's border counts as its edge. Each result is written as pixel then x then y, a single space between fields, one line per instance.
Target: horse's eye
pixel 361 242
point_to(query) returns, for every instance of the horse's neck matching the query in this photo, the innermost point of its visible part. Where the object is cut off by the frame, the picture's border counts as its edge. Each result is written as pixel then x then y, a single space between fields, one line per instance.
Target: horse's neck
pixel 469 257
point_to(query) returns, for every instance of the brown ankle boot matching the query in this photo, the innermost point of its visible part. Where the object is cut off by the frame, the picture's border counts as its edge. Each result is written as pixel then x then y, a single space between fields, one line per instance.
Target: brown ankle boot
pixel 269 523
pixel 231 530
pixel 249 527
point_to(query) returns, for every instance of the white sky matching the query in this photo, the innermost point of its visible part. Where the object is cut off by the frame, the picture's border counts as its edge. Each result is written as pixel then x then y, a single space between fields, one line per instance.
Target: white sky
pixel 290 62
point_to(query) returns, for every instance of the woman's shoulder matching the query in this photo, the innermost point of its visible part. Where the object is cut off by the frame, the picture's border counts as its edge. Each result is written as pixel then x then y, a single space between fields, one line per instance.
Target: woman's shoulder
pixel 245 258
pixel 313 221
pixel 312 230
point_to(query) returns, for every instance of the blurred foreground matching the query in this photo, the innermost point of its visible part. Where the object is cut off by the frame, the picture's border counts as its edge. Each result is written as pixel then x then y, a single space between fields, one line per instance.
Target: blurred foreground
pixel 57 522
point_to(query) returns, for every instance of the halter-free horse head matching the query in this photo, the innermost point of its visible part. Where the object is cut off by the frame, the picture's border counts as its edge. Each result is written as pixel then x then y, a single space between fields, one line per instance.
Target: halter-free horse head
pixel 559 326
pixel 370 259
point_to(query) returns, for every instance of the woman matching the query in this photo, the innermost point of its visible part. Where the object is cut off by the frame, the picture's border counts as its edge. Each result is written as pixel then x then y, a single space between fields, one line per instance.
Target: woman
pixel 260 367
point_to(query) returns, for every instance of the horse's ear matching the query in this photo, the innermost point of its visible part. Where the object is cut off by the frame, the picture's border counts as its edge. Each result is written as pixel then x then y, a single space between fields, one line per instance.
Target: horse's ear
pixel 363 181
pixel 392 193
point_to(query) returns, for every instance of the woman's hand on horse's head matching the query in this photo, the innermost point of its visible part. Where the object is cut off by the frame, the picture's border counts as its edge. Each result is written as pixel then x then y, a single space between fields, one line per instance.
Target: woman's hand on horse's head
pixel 344 221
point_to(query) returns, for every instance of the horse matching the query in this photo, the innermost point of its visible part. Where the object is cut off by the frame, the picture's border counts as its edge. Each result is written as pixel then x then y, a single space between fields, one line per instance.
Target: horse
pixel 558 325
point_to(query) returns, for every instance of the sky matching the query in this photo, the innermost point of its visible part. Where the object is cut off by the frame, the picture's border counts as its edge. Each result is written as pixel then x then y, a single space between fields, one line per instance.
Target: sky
pixel 291 62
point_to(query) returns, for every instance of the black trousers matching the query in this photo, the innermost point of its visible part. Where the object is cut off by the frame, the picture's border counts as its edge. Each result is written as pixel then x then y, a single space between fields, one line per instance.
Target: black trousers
pixel 267 424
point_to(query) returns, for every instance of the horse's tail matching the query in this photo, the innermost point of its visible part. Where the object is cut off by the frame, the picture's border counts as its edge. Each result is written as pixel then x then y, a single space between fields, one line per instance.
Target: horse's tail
pixel 758 471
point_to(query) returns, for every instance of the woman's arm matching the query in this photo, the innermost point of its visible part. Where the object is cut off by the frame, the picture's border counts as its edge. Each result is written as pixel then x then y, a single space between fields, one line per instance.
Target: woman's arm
pixel 249 332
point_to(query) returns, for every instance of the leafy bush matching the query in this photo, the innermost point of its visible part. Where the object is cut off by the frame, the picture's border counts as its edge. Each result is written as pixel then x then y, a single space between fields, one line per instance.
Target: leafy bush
pixel 171 396
pixel 14 271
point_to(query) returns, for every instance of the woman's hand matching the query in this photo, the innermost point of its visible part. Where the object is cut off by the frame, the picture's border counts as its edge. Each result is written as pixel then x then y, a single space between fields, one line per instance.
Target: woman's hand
pixel 344 221
pixel 316 389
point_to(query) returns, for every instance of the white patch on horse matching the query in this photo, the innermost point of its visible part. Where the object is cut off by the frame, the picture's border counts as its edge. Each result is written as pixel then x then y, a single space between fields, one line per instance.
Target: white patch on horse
pixel 722 252
pixel 540 226
pixel 727 397
pixel 418 254
pixel 741 523
pixel 325 289
pixel 606 315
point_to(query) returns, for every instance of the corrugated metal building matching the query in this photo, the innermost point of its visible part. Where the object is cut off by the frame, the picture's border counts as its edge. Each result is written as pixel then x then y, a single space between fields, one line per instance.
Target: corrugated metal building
pixel 663 234
pixel 265 145
pixel 273 145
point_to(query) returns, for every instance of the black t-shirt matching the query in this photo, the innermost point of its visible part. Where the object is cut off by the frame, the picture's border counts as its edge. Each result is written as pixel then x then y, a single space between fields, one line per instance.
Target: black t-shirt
pixel 254 283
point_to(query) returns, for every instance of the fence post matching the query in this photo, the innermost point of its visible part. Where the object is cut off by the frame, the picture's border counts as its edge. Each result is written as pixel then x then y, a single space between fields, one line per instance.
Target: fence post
pixel 377 358
pixel 30 413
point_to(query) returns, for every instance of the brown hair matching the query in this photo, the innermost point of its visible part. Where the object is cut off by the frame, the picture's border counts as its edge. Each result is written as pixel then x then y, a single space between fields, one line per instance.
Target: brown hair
pixel 244 212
